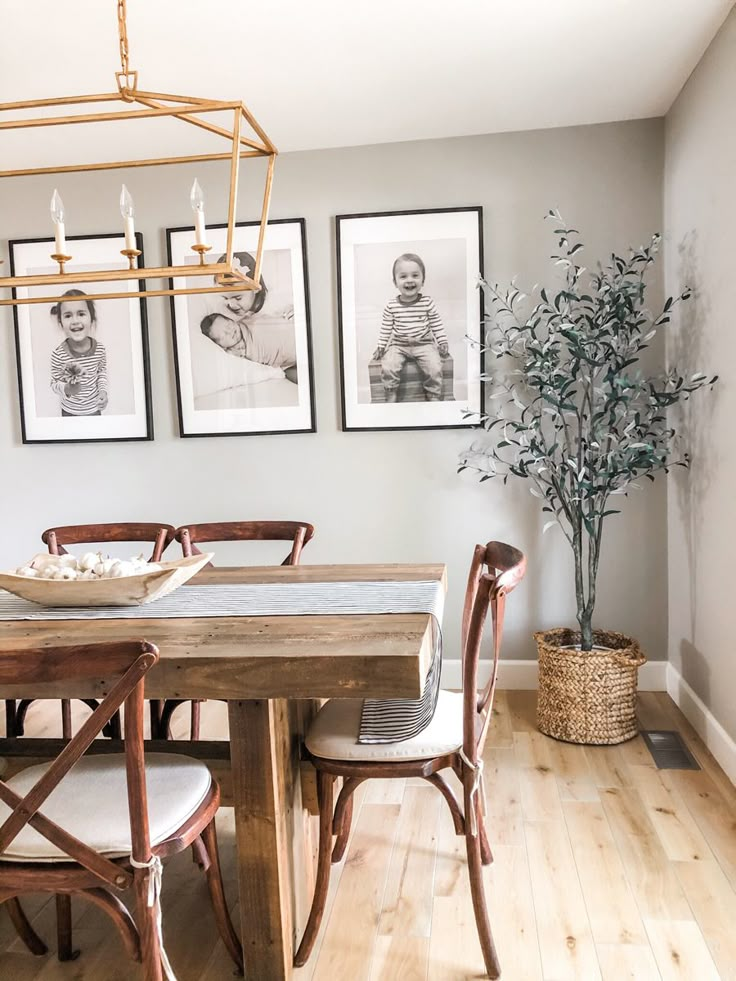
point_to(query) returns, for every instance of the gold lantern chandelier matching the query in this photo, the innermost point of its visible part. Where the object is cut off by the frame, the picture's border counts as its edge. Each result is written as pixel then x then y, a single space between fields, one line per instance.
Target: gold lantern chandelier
pixel 243 136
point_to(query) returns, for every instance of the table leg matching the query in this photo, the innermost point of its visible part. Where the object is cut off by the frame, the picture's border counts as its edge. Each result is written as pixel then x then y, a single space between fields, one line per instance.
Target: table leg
pixel 262 744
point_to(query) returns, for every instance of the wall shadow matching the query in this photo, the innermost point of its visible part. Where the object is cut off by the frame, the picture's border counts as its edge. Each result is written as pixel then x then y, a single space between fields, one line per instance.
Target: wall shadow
pixel 688 352
pixel 695 670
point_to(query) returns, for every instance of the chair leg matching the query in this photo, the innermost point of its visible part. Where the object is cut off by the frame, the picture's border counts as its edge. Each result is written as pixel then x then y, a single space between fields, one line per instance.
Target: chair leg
pixel 325 782
pixel 120 917
pixel 156 707
pixel 167 710
pixel 21 711
pixel 200 856
pixel 486 855
pixel 458 821
pixel 66 718
pixel 217 896
pixel 475 872
pixel 114 728
pixel 65 950
pixel 147 917
pixel 24 929
pixel 344 832
pixel 10 714
pixel 343 814
pixel 195 717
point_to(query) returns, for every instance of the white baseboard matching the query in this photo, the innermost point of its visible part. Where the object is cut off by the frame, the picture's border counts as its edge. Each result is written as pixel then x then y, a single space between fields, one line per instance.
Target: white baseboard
pixel 522 675
pixel 700 717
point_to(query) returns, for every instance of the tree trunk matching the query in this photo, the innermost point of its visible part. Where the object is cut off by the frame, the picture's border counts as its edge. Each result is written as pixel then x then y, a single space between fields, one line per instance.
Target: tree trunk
pixel 585 613
pixel 585 620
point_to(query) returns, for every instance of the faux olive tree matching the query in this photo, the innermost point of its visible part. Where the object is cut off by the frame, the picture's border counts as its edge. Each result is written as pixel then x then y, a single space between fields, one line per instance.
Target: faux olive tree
pixel 569 407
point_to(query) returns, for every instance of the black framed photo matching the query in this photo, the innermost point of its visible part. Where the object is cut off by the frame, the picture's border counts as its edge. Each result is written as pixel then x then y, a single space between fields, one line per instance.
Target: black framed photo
pixel 244 358
pixel 410 318
pixel 83 363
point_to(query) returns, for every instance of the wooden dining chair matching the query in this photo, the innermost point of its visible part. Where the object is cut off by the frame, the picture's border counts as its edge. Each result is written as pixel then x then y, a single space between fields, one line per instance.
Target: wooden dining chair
pixel 96 824
pixel 190 536
pixel 296 532
pixel 17 915
pixel 158 535
pixel 453 740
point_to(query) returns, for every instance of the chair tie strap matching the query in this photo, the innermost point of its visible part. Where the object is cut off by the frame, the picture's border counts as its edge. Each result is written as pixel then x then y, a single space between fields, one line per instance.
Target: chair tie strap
pixel 477 792
pixel 155 885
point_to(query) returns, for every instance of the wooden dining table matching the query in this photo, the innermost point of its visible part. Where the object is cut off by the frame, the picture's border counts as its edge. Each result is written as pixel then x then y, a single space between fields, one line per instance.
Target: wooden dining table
pixel 272 671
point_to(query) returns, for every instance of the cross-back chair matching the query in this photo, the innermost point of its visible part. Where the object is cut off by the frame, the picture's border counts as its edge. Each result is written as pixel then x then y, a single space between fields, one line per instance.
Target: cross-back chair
pixel 189 536
pixel 95 825
pixel 153 533
pixel 296 532
pixel 158 535
pixel 18 917
pixel 453 740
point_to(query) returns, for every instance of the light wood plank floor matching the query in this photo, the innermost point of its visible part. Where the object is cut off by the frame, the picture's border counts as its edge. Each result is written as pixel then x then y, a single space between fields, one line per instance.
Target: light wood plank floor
pixel 605 868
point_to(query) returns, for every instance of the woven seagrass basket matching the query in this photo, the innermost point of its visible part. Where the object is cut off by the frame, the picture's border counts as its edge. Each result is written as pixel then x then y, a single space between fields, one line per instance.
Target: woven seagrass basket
pixel 587 696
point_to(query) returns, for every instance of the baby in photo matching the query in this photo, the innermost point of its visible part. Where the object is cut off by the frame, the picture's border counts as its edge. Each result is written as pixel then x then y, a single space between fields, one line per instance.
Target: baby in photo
pixel 240 329
pixel 411 330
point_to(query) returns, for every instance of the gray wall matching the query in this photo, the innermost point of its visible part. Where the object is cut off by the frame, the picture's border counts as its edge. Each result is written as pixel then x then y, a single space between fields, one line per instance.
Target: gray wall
pixel 373 496
pixel 700 211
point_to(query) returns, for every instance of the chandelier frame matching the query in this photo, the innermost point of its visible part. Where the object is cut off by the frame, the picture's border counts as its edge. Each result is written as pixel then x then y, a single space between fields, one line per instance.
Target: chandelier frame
pixel 148 105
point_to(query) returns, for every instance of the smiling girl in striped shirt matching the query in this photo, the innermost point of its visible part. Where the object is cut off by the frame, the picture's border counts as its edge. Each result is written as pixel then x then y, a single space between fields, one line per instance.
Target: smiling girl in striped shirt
pixel 79 363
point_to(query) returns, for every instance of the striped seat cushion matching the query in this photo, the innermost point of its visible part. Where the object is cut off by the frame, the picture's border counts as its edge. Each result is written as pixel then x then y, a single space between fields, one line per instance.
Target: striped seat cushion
pixel 391 720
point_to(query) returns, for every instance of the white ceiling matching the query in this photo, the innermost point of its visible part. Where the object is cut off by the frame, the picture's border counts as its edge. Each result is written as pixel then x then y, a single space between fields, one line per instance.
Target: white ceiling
pixel 325 73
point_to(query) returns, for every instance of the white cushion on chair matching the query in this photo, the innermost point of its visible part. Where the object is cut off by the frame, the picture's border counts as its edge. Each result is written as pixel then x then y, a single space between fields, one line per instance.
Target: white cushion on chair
pixel 91 803
pixel 334 733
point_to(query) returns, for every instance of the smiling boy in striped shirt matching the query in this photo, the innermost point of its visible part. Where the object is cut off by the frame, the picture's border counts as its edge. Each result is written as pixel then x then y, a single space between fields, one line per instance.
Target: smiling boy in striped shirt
pixel 411 330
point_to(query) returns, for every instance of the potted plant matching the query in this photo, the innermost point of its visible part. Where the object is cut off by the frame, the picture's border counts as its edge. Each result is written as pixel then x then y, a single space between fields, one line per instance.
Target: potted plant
pixel 572 411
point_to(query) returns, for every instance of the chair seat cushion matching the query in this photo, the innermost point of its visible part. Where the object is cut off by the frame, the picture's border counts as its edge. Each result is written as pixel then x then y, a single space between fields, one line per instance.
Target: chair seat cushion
pixel 91 803
pixel 334 733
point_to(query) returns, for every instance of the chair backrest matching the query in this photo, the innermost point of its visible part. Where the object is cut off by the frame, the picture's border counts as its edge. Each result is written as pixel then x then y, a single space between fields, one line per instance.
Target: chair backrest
pixel 158 534
pixel 496 569
pixel 296 532
pixel 128 661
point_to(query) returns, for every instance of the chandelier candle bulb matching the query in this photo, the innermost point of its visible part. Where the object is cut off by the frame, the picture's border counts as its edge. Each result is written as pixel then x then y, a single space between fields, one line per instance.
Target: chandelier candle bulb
pixel 199 233
pixel 57 214
pixel 197 198
pixel 127 210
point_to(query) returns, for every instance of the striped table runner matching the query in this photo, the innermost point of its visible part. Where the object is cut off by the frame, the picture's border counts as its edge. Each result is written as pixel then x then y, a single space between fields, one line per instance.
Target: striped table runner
pixel 383 720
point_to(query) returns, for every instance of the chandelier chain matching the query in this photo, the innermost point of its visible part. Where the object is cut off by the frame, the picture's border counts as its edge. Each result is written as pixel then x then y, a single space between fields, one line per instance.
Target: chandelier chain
pixel 123 33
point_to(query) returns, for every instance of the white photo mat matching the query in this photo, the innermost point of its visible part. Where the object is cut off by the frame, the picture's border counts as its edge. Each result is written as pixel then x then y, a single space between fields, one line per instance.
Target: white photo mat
pixel 449 242
pixel 121 328
pixel 220 393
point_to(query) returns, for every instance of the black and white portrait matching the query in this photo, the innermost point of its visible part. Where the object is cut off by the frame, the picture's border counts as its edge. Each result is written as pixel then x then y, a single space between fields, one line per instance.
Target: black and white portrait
pixel 243 357
pixel 408 304
pixel 83 367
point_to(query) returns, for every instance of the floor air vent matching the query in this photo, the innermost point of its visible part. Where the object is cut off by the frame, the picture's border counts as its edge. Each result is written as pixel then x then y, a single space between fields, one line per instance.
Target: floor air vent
pixel 668 750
